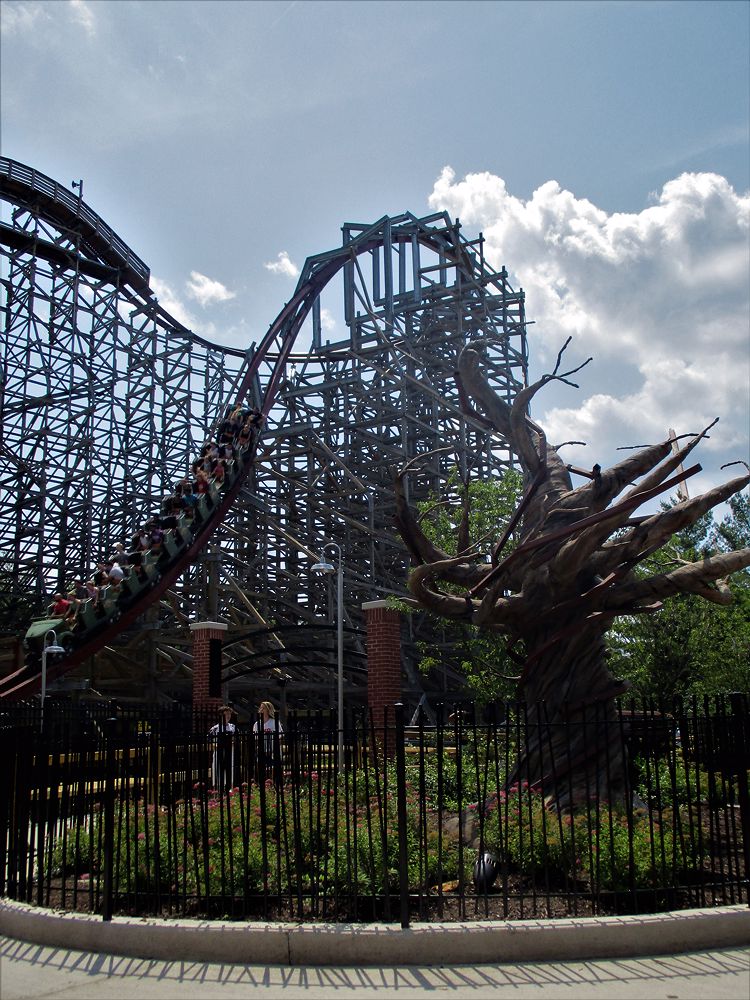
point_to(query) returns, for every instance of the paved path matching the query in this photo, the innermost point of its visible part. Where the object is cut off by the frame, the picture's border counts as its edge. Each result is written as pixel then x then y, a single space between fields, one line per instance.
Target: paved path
pixel 35 972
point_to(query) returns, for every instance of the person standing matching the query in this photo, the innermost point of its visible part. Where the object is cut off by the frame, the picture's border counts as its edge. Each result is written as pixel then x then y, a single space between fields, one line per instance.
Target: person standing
pixel 269 752
pixel 222 764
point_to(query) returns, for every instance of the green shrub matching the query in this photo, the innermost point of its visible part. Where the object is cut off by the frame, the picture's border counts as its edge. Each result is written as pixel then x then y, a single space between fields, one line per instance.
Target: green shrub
pixel 330 838
pixel 603 846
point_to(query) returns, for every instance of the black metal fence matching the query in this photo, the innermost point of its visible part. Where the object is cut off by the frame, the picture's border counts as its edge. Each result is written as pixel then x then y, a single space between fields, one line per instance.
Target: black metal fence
pixel 147 814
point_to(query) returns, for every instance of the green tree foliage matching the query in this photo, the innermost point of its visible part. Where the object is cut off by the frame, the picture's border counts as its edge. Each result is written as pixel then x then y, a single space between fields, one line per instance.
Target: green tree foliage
pixel 479 656
pixel 691 646
pixel 491 505
pixel 734 530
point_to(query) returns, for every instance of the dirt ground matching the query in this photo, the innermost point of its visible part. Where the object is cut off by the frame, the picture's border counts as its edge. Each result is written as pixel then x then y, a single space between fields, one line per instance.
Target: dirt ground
pixel 515 898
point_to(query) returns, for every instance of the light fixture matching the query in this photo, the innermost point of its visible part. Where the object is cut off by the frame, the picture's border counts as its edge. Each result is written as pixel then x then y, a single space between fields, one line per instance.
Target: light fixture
pixel 321 566
pixel 48 648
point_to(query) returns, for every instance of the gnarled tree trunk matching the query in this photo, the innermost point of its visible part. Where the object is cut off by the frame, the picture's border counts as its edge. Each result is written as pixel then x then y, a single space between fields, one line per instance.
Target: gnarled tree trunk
pixel 558 591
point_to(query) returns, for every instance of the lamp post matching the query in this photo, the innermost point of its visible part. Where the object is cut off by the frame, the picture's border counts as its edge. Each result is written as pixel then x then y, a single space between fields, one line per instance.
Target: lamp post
pixel 329 568
pixel 52 647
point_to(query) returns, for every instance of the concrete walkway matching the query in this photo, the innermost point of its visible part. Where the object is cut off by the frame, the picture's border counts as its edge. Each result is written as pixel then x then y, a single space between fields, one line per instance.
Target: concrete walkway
pixel 695 954
pixel 294 944
pixel 34 972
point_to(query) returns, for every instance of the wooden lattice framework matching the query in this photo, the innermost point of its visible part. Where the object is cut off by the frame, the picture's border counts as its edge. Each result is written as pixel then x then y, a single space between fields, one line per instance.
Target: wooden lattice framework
pixel 105 399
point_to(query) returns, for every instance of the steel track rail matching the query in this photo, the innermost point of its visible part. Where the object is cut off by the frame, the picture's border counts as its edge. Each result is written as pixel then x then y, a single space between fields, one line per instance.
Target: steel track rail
pixel 276 347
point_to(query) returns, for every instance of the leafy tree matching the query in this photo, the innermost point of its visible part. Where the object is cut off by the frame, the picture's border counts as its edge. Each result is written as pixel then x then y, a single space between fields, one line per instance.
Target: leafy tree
pixel 734 530
pixel 486 508
pixel 691 646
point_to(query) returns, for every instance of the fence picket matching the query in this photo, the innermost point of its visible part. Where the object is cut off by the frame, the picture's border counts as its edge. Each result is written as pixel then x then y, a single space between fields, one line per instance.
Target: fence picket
pixel 148 813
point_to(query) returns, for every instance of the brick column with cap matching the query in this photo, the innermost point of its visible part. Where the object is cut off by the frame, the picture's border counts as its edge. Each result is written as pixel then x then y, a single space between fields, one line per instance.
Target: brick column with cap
pixel 207 642
pixel 383 659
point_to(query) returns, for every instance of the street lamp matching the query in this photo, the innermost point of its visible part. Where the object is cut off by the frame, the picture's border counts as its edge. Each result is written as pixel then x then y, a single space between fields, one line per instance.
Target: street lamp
pixel 53 647
pixel 328 568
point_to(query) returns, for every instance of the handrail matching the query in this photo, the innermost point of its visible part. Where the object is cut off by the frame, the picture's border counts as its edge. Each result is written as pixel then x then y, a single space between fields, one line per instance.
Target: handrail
pixel 97 228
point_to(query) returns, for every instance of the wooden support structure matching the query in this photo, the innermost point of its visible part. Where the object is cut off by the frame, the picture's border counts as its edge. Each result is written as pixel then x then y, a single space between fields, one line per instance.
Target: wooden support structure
pixel 107 400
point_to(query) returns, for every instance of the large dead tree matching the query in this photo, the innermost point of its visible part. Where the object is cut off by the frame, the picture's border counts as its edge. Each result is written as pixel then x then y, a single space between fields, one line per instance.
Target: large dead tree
pixel 571 574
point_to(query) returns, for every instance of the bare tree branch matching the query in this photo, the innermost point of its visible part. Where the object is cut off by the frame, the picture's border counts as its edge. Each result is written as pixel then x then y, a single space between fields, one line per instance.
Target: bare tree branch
pixel 696 578
pixel 655 531
pixel 448 605
pixel 573 572
pixel 573 555
pixel 677 458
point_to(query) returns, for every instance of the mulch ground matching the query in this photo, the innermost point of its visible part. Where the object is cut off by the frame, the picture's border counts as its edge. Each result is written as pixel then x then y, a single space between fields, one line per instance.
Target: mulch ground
pixel 515 899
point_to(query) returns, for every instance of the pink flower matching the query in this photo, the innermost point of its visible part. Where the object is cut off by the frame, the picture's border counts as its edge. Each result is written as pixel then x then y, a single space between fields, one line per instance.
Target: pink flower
pixel 141 836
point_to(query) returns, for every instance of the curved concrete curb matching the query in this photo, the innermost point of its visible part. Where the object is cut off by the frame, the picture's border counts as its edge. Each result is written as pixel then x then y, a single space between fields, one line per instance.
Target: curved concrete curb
pixel 382 944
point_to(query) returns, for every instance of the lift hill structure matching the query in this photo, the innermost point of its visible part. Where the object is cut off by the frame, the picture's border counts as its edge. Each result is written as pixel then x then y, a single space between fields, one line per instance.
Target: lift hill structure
pixel 106 399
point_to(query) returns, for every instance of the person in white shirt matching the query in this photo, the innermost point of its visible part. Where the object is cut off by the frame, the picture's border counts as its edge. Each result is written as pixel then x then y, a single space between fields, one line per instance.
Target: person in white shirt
pixel 271 744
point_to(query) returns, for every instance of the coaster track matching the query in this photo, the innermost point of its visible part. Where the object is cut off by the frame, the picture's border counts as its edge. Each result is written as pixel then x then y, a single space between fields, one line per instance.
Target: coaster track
pixel 103 256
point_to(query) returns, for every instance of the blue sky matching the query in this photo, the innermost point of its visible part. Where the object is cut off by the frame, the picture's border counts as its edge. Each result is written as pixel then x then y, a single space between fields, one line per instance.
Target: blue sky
pixel 603 147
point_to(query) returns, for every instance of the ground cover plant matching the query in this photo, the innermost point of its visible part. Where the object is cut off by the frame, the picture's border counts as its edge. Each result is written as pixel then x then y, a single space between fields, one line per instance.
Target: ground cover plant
pixel 327 846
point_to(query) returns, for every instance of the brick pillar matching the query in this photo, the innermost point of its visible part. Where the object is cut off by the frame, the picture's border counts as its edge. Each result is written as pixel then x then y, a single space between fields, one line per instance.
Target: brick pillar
pixel 207 638
pixel 383 659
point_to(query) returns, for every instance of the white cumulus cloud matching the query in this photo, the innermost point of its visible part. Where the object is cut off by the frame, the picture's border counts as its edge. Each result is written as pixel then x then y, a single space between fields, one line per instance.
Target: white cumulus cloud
pixel 660 298
pixel 20 18
pixel 283 265
pixel 171 301
pixel 327 320
pixel 83 15
pixel 207 290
